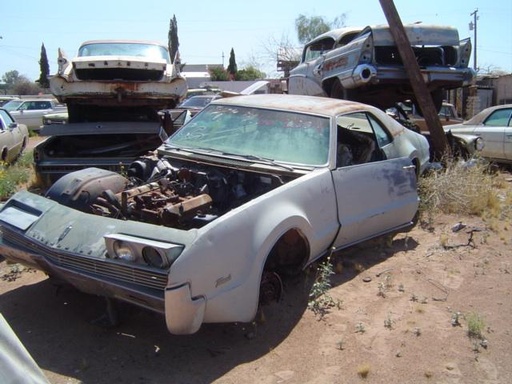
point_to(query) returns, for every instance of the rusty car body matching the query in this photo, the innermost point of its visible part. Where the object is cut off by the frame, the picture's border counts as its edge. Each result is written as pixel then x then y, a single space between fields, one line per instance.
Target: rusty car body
pixel 114 91
pixel 363 64
pixel 252 189
pixel 111 145
pixel 110 77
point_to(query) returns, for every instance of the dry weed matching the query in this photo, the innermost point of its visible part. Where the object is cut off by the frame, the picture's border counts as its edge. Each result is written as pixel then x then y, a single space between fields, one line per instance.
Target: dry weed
pixel 464 188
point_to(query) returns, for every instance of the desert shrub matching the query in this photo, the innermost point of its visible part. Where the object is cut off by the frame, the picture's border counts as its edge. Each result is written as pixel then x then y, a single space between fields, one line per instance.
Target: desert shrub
pixel 476 325
pixel 467 188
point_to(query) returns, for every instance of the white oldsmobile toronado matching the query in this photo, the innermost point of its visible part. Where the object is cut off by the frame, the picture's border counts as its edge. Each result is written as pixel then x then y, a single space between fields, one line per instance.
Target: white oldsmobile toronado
pixel 202 230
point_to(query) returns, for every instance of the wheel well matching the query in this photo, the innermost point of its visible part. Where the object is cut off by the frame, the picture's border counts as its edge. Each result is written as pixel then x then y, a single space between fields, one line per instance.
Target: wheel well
pixel 289 254
pixel 416 164
pixel 328 84
pixel 4 154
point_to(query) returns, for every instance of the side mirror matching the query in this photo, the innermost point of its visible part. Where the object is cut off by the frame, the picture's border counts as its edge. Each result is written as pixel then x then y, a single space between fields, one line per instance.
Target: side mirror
pixel 12 126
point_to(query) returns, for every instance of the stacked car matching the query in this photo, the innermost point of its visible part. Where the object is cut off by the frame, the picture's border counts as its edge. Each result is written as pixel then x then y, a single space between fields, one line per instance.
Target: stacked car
pixel 113 90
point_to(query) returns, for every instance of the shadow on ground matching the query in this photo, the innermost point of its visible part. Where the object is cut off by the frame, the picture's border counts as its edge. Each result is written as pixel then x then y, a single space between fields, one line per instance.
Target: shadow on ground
pixel 56 326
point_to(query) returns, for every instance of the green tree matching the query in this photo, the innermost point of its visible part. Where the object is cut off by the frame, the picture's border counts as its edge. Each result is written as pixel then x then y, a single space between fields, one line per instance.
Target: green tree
pixel 218 74
pixel 45 69
pixel 10 78
pixel 232 67
pixel 249 73
pixel 173 42
pixel 310 27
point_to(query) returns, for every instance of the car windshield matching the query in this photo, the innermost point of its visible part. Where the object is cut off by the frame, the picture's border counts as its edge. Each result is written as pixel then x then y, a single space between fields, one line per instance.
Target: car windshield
pixel 196 102
pixel 12 105
pixel 254 133
pixel 151 51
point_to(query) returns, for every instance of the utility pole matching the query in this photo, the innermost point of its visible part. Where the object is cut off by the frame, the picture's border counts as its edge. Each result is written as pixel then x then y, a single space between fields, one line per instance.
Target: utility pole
pixel 437 134
pixel 472 27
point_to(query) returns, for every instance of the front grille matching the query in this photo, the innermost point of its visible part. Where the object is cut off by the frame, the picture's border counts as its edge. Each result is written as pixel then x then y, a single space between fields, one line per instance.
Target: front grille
pixel 106 269
pixel 425 56
pixel 115 74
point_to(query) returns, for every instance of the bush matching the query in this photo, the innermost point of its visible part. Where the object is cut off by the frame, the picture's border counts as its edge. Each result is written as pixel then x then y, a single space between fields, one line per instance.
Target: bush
pixel 13 176
pixel 466 188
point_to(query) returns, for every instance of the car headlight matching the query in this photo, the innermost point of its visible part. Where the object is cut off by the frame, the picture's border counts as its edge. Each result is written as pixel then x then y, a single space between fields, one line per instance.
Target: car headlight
pixel 479 144
pixel 123 251
pixel 153 253
pixel 153 257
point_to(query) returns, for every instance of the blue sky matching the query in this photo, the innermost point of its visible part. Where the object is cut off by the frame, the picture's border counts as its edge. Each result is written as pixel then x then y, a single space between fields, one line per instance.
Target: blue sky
pixel 208 29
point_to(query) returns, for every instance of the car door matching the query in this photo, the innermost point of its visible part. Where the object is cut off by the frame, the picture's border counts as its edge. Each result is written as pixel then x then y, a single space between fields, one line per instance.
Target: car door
pixel 33 115
pixel 508 143
pixel 374 198
pixel 10 138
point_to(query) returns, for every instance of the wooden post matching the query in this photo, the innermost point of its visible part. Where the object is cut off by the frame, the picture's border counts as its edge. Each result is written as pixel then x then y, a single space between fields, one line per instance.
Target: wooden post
pixel 439 142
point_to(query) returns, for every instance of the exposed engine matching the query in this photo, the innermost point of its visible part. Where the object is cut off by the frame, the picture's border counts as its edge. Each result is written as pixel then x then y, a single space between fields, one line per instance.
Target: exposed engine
pixel 183 195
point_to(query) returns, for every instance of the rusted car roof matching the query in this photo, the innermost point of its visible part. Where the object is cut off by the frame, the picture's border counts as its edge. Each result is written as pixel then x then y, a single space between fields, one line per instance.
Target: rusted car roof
pixel 296 103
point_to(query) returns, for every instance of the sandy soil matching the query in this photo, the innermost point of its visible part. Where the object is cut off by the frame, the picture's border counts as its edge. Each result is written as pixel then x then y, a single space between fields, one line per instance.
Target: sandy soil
pixel 404 312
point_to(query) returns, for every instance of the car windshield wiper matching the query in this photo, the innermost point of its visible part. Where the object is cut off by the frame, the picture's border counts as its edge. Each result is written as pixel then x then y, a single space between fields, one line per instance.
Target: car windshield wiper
pixel 260 159
pixel 264 160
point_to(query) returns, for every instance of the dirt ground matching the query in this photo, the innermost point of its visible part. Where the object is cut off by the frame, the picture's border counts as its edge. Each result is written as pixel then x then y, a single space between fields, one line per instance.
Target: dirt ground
pixel 405 308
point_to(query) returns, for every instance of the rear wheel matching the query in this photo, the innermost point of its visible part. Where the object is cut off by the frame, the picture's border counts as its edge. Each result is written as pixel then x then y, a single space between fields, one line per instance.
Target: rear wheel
pixel 339 92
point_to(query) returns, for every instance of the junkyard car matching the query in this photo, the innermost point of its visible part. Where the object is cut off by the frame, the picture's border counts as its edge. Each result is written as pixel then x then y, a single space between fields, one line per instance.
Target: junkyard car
pixel 363 64
pixel 196 103
pixel 447 114
pixel 13 137
pixel 108 145
pixel 494 125
pixel 114 90
pixel 117 77
pixel 463 145
pixel 55 118
pixel 249 190
pixel 30 112
pixel 6 99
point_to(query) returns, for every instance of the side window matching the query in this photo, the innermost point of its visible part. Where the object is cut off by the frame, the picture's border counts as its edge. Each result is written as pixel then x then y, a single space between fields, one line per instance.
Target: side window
pixel 356 140
pixel 499 118
pixel 345 39
pixel 316 49
pixel 5 120
pixel 383 136
pixel 24 106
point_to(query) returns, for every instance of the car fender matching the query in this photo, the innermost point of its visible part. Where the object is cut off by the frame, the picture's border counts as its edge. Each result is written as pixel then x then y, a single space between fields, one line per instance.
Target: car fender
pixel 226 261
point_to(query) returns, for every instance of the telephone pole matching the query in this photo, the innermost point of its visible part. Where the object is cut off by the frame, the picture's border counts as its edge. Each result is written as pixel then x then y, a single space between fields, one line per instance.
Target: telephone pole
pixel 472 27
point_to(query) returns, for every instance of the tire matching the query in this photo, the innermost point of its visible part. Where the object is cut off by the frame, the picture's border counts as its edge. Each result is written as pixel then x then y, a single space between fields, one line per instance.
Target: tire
pixel 338 92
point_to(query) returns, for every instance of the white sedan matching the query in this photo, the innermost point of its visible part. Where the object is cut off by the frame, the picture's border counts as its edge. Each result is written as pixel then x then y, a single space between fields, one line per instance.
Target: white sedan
pixel 252 189
pixel 13 137
pixel 494 125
